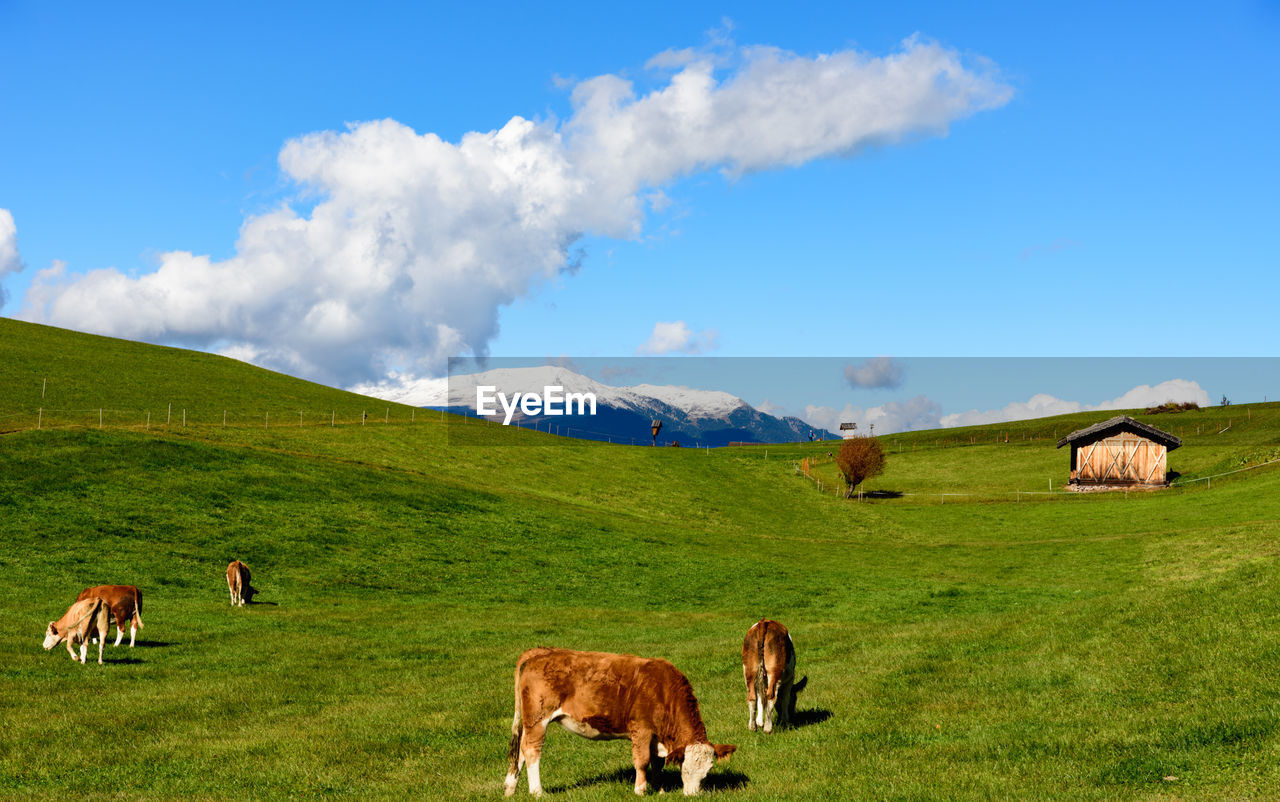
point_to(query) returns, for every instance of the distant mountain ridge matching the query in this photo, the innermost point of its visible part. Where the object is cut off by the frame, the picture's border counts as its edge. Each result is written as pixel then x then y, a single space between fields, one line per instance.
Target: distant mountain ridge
pixel 689 416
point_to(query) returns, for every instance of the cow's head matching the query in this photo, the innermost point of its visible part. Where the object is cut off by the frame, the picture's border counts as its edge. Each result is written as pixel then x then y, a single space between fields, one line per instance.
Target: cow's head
pixel 695 760
pixel 52 637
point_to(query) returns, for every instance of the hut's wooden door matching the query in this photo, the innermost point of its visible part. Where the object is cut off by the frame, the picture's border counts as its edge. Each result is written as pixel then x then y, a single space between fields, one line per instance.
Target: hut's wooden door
pixel 1124 458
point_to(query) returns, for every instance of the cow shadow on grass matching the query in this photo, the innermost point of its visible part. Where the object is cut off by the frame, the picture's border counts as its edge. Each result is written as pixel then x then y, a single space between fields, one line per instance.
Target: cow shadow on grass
pixel 123 661
pixel 250 601
pixel 155 644
pixel 667 781
pixel 883 494
pixel 805 718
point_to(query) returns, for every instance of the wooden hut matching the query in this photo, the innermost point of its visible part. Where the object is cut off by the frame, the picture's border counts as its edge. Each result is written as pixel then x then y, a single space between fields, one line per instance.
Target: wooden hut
pixel 1120 452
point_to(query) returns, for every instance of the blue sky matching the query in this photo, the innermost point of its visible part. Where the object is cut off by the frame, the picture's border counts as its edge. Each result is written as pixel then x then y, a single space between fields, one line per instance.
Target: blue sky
pixel 1097 180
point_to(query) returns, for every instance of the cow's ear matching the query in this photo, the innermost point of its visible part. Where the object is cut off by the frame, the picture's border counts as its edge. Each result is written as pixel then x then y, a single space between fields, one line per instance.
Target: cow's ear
pixel 675 757
pixel 723 751
pixel 53 628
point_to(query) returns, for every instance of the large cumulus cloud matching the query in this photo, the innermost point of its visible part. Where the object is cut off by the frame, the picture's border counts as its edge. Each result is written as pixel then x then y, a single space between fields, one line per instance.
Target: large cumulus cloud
pixel 400 248
pixel 10 259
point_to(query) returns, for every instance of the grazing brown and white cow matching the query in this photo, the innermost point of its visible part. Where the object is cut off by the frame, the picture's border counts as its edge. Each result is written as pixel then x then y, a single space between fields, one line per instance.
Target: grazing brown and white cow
pixel 82 621
pixel 769 669
pixel 125 604
pixel 609 696
pixel 238 583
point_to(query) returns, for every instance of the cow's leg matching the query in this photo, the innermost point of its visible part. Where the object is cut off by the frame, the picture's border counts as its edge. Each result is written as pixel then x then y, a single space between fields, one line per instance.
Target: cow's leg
pixel 133 631
pixel 101 642
pixel 643 756
pixel 786 703
pixel 119 630
pixel 531 754
pixel 656 755
pixel 84 650
pixel 759 713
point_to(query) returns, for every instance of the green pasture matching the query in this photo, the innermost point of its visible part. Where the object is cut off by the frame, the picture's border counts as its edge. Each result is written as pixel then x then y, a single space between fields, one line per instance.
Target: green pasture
pixel 1101 647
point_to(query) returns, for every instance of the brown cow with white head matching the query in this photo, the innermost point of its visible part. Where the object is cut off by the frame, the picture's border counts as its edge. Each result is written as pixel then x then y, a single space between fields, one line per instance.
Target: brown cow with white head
pixel 125 604
pixel 604 697
pixel 769 669
pixel 82 621
pixel 238 583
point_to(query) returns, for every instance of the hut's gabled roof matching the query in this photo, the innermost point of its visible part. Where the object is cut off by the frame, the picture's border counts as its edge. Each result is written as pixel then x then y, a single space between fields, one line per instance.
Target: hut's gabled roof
pixel 1099 430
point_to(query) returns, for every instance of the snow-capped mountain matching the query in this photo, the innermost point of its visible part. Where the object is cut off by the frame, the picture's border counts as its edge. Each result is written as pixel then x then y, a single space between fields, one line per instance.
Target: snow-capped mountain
pixel 689 416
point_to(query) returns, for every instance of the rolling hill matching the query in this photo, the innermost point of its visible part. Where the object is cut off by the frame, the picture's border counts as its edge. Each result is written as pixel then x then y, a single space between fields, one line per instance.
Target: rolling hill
pixel 1102 647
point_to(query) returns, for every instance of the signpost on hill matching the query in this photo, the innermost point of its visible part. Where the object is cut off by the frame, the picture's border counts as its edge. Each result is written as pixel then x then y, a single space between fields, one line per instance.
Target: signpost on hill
pixel 657 427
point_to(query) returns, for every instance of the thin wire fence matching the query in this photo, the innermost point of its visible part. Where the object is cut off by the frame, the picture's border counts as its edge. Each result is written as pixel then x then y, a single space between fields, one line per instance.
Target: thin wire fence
pixel 170 418
pixel 805 468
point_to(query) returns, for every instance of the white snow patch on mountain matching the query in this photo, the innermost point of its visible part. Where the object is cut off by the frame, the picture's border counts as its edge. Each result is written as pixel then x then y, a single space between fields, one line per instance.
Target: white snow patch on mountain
pixel 460 391
pixel 697 403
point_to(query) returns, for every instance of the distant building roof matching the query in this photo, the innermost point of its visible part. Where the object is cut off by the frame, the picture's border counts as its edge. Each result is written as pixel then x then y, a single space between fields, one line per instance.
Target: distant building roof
pixel 1106 427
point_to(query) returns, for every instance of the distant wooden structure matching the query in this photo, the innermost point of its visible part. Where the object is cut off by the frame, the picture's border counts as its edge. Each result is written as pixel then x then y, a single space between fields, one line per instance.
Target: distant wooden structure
pixel 1121 453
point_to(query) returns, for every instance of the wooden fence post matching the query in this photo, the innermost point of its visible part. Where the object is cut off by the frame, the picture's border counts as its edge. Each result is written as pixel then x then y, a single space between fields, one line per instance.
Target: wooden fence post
pixel 40 416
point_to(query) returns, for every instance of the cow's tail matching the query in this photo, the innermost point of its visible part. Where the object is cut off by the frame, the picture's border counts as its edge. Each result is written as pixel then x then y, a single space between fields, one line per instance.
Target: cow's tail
pixel 137 608
pixel 517 730
pixel 761 681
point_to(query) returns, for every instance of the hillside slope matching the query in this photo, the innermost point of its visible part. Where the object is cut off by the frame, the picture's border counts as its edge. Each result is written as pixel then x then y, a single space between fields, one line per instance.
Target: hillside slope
pixel 67 377
pixel 1087 648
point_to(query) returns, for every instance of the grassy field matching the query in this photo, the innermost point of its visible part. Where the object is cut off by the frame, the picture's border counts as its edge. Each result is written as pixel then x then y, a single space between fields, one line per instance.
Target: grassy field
pixel 1102 647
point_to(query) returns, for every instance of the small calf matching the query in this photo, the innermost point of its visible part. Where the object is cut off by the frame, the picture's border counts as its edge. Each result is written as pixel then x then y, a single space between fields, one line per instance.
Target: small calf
pixel 125 604
pixel 769 669
pixel 82 621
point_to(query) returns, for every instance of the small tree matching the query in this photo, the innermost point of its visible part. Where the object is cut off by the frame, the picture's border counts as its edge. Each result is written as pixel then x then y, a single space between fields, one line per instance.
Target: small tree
pixel 859 458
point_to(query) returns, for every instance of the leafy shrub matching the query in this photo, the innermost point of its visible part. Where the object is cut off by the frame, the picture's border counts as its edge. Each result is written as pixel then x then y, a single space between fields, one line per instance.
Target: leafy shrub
pixel 1172 406
pixel 859 458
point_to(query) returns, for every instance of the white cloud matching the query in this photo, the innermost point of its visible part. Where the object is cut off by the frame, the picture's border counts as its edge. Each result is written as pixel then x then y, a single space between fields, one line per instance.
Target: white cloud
pixel 676 337
pixel 770 408
pixel 881 371
pixel 1043 405
pixel 413 244
pixel 921 412
pixel 10 259
pixel 411 390
pixel 916 413
pixel 1040 405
